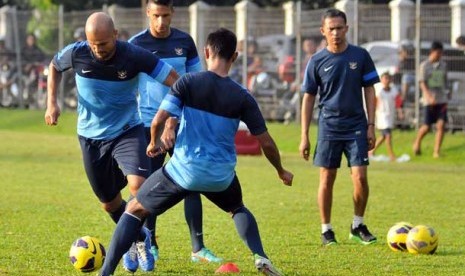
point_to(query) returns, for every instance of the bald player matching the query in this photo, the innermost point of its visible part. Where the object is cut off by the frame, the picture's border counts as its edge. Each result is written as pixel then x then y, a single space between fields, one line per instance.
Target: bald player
pixel 109 128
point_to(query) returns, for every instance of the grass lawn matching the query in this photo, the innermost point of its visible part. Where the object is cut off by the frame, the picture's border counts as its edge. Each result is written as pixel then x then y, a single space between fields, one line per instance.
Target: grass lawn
pixel 47 203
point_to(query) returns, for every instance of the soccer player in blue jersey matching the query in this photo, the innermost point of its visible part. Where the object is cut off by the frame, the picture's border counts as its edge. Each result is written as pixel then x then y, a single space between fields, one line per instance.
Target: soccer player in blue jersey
pixel 209 106
pixel 176 48
pixel 339 73
pixel 110 131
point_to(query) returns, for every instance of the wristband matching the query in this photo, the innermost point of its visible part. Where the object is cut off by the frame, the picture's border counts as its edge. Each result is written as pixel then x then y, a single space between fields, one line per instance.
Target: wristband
pixel 371 124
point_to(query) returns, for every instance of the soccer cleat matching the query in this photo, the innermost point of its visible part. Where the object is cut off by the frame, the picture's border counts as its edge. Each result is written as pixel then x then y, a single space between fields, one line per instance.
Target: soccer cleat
pixel 144 254
pixel 206 256
pixel 130 262
pixel 361 235
pixel 328 238
pixel 154 251
pixel 265 267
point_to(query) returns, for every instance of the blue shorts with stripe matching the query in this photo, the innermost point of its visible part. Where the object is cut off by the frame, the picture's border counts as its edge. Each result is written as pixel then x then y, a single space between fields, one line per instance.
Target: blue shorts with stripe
pixel 328 153
pixel 108 162
pixel 159 193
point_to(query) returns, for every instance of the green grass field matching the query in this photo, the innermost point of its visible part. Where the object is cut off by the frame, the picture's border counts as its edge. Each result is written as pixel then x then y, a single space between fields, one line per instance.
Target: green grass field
pixel 47 203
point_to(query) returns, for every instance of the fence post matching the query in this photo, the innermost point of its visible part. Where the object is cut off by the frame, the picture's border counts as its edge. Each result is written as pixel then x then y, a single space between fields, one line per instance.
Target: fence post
pixel 246 12
pixel 402 12
pixel 289 22
pixel 198 29
pixel 348 6
pixel 457 20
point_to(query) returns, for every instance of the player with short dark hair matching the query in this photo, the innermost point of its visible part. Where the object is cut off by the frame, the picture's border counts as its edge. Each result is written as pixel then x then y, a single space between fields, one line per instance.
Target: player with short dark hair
pixel 339 73
pixel 210 106
pixel 109 127
pixel 176 48
pixel 433 84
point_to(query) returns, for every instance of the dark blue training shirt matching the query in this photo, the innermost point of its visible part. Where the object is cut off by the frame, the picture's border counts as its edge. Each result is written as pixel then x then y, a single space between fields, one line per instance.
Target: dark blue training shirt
pixel 107 90
pixel 210 108
pixel 339 79
pixel 179 51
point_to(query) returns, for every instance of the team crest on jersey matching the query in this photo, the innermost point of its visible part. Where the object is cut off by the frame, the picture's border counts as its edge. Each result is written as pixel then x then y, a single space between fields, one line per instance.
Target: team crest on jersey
pixel 122 74
pixel 353 65
pixel 178 51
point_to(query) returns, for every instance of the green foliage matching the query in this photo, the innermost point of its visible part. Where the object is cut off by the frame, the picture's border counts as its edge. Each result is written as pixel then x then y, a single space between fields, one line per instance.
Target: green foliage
pixel 44 24
pixel 48 203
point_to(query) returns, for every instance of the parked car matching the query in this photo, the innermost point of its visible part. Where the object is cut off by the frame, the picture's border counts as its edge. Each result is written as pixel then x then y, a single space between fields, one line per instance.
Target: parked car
pixel 385 55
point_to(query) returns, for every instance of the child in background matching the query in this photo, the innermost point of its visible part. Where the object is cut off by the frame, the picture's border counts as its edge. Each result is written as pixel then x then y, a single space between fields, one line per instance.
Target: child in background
pixel 386 94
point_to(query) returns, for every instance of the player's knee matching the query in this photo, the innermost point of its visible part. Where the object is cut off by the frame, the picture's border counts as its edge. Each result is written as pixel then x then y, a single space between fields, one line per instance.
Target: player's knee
pixel 134 207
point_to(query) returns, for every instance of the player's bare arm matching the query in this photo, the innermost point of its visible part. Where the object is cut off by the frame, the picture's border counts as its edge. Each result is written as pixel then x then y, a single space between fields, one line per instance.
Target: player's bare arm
pixel 370 102
pixel 171 78
pixel 272 154
pixel 308 102
pixel 53 110
pixel 162 133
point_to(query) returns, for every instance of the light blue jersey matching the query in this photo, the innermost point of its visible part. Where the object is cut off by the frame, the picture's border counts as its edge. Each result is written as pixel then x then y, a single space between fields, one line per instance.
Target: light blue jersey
pixel 210 108
pixel 107 90
pixel 178 50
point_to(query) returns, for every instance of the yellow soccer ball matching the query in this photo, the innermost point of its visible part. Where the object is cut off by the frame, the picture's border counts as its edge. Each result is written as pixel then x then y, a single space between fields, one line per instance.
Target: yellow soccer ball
pixel 87 254
pixel 422 239
pixel 397 236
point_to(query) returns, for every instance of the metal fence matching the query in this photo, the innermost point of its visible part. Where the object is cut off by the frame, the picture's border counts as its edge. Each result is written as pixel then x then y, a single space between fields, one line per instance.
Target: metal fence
pixel 373 23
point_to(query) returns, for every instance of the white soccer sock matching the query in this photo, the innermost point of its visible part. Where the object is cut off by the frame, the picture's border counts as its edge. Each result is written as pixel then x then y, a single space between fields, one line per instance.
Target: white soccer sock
pixel 326 227
pixel 357 221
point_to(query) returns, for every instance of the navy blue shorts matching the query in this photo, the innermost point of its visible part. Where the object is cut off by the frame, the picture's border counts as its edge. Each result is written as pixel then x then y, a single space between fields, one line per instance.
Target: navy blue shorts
pixel 328 153
pixel 433 113
pixel 159 193
pixel 108 162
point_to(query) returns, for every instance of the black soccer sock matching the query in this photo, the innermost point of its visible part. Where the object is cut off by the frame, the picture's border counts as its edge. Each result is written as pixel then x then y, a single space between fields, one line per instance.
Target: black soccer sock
pixel 193 215
pixel 151 224
pixel 247 229
pixel 115 215
pixel 126 230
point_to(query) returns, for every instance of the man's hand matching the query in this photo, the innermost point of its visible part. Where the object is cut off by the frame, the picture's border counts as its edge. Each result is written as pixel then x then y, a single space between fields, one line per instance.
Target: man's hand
pixel 51 114
pixel 371 137
pixel 286 177
pixel 304 148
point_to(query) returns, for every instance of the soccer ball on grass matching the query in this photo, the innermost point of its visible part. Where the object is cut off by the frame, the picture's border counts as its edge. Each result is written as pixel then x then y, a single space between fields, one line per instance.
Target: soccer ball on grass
pixel 87 254
pixel 422 239
pixel 397 236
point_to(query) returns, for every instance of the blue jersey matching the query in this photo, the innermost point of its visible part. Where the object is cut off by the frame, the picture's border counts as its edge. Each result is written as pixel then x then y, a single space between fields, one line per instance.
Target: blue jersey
pixel 107 90
pixel 339 79
pixel 210 108
pixel 178 50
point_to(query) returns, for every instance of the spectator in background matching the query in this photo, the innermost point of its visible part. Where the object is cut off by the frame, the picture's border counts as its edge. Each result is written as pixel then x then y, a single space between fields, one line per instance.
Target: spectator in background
pixel 461 42
pixel 404 77
pixel 254 62
pixel 309 47
pixel 386 95
pixel 31 53
pixel 79 34
pixel 433 84
pixel 6 54
pixel 123 35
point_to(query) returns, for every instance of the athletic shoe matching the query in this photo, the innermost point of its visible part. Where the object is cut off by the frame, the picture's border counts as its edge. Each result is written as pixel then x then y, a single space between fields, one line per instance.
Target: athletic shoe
pixel 154 251
pixel 144 254
pixel 362 235
pixel 130 262
pixel 328 238
pixel 206 256
pixel 264 266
